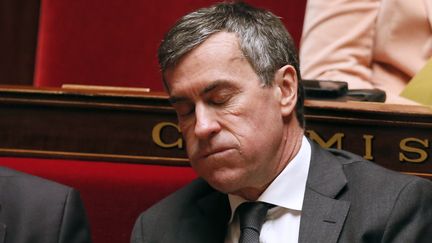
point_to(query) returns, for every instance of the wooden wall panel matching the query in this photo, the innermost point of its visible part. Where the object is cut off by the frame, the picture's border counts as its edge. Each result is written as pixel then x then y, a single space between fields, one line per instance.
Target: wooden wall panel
pixel 141 128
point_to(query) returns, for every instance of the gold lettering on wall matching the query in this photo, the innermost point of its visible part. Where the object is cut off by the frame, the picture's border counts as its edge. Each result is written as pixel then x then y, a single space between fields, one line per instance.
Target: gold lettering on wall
pixel 422 154
pixel 368 147
pixel 156 135
pixel 335 139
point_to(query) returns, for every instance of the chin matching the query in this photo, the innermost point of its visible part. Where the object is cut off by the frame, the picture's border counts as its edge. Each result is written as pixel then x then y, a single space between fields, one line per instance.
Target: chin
pixel 223 187
pixel 224 182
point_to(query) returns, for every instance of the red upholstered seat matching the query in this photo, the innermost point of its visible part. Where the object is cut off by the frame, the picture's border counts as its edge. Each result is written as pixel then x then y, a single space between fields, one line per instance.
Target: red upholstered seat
pixel 111 42
pixel 114 194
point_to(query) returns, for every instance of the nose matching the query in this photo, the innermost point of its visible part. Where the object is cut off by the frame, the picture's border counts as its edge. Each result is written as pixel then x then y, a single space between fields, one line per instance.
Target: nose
pixel 206 123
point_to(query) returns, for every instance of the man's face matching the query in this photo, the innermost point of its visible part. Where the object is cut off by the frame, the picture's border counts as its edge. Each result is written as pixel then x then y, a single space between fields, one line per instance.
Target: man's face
pixel 232 125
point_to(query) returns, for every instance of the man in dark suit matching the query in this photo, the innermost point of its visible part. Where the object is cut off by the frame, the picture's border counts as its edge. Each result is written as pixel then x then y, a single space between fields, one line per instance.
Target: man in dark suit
pixel 35 210
pixel 232 75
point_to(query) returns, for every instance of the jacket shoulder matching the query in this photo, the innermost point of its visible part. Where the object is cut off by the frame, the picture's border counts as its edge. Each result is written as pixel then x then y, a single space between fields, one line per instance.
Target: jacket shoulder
pixel 176 202
pixel 39 210
pixel 20 183
pixel 385 204
pixel 164 216
pixel 357 168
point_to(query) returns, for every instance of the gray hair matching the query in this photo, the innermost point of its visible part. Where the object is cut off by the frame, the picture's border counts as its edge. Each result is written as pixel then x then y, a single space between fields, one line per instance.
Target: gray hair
pixel 263 39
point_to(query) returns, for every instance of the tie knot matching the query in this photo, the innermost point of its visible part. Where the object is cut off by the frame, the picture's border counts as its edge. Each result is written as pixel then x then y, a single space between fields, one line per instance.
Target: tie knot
pixel 252 215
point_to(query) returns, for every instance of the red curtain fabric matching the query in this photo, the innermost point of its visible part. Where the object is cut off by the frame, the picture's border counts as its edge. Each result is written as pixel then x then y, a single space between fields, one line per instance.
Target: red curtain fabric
pixel 111 42
pixel 114 194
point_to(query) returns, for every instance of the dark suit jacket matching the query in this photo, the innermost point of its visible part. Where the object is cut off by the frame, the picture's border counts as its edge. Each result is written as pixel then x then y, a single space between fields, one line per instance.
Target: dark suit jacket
pixel 34 210
pixel 347 199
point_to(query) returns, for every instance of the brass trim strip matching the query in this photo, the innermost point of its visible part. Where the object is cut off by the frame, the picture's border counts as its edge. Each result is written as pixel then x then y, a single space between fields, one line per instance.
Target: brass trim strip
pixel 92 104
pixel 350 120
pixel 418 174
pixel 156 160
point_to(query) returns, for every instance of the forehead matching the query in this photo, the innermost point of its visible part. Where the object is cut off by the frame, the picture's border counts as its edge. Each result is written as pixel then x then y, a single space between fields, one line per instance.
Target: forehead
pixel 219 57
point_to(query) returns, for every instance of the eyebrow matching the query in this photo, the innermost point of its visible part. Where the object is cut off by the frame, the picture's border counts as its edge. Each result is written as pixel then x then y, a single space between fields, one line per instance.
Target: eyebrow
pixel 214 85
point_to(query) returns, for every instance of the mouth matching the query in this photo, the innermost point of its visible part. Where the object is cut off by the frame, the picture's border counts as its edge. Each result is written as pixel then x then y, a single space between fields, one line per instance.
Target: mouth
pixel 219 151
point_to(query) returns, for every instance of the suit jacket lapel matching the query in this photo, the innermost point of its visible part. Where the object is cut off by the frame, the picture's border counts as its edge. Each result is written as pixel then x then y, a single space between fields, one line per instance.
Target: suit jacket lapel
pixel 207 221
pixel 322 215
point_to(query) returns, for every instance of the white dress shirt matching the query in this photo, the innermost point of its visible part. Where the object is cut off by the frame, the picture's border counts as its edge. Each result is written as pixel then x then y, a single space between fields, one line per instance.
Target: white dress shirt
pixel 286 192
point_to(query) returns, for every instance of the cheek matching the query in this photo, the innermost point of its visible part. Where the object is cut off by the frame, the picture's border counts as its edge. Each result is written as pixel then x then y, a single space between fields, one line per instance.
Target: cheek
pixel 260 131
pixel 262 120
pixel 187 126
pixel 188 137
pixel 191 143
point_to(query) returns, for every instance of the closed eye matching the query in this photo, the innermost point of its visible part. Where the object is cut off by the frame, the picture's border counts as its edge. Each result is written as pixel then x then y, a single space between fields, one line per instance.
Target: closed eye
pixel 219 99
pixel 221 96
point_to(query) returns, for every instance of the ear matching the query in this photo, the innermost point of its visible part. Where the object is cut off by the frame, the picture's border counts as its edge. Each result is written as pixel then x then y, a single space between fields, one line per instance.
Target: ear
pixel 286 83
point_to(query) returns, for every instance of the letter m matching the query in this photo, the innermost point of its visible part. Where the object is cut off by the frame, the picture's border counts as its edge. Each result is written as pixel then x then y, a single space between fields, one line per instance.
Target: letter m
pixel 335 139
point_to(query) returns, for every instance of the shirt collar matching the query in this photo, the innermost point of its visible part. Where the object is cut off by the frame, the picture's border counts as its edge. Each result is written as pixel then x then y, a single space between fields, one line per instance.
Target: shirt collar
pixel 288 188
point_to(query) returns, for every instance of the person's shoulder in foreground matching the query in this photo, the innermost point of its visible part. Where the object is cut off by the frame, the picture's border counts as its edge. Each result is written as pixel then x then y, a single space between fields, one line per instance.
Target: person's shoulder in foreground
pixel 39 211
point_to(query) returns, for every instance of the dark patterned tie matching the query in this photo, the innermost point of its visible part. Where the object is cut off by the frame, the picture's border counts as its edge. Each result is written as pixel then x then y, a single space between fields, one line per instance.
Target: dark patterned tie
pixel 252 216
